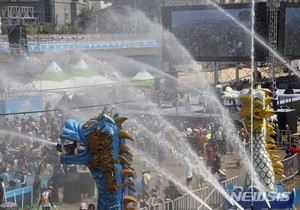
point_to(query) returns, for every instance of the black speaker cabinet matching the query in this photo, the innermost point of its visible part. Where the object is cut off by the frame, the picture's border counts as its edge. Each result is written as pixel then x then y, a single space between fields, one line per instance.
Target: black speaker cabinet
pixel 289 117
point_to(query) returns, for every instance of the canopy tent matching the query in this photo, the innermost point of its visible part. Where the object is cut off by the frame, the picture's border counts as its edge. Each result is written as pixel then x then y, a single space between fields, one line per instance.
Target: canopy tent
pixel 53 78
pixel 143 79
pixel 81 64
pixel 143 75
pixel 54 83
pixel 82 75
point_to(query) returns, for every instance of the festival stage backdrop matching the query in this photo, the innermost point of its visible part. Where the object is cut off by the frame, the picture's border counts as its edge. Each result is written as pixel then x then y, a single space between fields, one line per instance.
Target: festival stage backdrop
pixel 210 35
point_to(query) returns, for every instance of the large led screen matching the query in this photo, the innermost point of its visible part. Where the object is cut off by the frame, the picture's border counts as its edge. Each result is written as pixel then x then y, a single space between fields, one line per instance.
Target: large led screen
pixel 210 35
pixel 292 30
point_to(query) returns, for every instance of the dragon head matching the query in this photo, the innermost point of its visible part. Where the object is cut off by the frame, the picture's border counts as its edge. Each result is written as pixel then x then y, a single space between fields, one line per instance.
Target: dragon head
pixel 260 107
pixel 74 145
pixel 100 144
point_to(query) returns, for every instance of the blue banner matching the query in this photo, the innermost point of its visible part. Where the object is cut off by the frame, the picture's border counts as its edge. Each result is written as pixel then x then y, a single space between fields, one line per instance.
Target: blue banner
pixel 23 105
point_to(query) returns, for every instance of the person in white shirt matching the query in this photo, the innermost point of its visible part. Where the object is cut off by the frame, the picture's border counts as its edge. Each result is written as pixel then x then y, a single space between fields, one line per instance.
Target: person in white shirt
pixel 46 199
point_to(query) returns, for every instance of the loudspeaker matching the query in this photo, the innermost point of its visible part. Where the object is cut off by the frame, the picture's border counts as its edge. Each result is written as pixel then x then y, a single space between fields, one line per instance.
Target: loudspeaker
pixel 289 117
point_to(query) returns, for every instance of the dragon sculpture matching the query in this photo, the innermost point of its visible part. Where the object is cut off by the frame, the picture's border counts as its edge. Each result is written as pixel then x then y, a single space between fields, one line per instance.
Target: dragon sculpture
pixel 100 145
pixel 265 162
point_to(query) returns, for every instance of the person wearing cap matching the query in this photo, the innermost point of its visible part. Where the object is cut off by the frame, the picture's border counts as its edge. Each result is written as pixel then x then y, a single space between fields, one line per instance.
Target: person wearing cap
pixel 46 199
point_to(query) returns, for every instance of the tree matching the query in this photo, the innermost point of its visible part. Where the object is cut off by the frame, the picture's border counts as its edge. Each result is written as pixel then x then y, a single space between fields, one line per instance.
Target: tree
pixel 85 18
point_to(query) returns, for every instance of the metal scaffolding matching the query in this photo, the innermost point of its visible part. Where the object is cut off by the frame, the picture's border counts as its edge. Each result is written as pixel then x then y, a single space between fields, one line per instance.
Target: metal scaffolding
pixel 16 15
pixel 273 8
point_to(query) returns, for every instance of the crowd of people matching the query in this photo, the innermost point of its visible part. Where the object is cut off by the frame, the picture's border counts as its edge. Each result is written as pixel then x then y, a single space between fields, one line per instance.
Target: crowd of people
pixel 23 155
pixel 207 139
pixel 28 157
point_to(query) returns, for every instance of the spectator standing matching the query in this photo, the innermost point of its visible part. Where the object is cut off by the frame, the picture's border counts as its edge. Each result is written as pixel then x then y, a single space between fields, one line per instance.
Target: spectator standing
pixel 158 184
pixel 46 199
pixel 2 191
pixel 171 191
pixel 294 149
pixel 84 175
pixel 176 101
pixel 23 179
pixel 187 102
pixel 146 178
pixel 46 169
pixel 275 96
pixel 36 187
pixel 189 175
pixel 199 176
pixel 58 182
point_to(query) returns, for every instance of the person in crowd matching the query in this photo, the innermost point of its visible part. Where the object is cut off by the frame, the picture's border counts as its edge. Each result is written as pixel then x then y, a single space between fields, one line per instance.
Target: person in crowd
pixel 222 175
pixel 188 102
pixel 45 199
pixel 158 184
pixel 216 164
pixel 91 207
pixel 172 192
pixel 199 176
pixel 176 101
pixel 143 202
pixel 155 198
pixel 201 141
pixel 275 97
pixel 294 149
pixel 288 154
pixel 46 169
pixel 2 191
pixel 84 175
pixel 210 152
pixel 189 175
pixel 36 187
pixel 161 156
pixel 23 179
pixel 146 178
pixel 58 181
pixel 83 206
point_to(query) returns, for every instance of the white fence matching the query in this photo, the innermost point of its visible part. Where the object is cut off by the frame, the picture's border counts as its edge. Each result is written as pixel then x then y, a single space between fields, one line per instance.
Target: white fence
pixel 186 202
pixel 290 166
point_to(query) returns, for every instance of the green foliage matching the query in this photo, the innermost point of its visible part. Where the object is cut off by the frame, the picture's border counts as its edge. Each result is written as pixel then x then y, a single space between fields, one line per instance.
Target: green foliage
pixel 50 29
pixel 85 17
pixel 30 29
pixel 47 28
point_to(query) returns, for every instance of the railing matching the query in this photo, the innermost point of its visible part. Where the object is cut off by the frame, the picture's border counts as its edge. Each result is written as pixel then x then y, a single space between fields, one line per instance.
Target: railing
pixel 83 38
pixel 22 196
pixel 55 42
pixel 290 166
pixel 186 202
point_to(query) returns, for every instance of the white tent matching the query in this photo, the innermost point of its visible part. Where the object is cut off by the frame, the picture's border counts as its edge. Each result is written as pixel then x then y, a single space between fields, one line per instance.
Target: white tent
pixel 53 78
pixel 53 67
pixel 143 75
pixel 82 75
pixel 81 64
